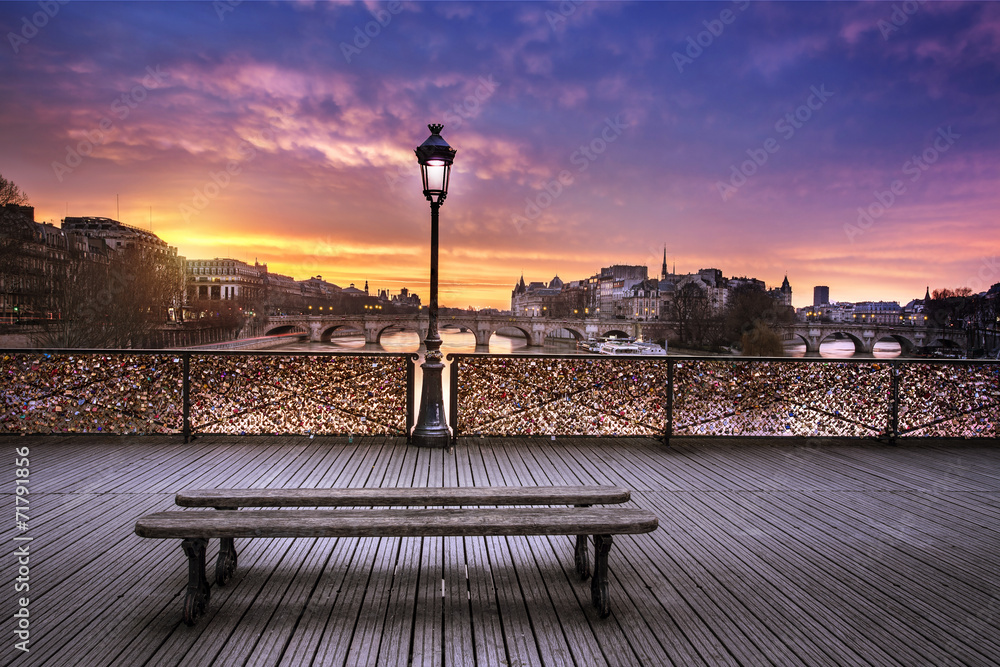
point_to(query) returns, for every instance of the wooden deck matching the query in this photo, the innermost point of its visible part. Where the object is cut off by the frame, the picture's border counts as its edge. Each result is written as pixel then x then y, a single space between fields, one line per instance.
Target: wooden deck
pixel 768 553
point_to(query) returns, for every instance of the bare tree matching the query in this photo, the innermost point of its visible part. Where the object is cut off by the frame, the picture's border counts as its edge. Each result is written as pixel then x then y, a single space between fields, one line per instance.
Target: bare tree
pixel 142 285
pixel 753 317
pixel 227 314
pixel 112 304
pixel 693 315
pixel 947 293
pixel 11 194
pixel 78 296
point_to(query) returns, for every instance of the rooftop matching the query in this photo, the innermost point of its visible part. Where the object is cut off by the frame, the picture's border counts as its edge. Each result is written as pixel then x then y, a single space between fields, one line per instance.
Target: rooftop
pixel 805 552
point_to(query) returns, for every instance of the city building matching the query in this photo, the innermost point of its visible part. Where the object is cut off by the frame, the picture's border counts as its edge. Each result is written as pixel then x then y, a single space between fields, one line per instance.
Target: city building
pixel 641 302
pixel 405 298
pixel 711 283
pixel 281 288
pixel 315 289
pixel 117 235
pixel 828 312
pixel 877 312
pixel 613 282
pixel 748 283
pixel 84 234
pixel 536 299
pixel 782 295
pixel 224 279
pixel 28 258
pixel 37 257
pixel 353 291
pixel 821 295
pixel 626 292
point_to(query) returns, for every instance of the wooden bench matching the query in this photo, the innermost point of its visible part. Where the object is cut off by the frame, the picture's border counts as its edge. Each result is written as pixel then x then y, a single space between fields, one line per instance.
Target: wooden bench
pixel 196 528
pixel 221 499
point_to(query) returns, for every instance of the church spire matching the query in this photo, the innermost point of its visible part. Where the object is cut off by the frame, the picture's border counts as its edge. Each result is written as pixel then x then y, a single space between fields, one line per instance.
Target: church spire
pixel 663 271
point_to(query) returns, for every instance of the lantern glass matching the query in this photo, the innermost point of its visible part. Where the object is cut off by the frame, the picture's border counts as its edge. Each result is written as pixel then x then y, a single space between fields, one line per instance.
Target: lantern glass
pixel 435 157
pixel 435 174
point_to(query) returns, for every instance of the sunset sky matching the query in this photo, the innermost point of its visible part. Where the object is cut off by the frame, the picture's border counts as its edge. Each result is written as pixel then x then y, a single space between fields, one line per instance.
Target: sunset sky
pixel 743 136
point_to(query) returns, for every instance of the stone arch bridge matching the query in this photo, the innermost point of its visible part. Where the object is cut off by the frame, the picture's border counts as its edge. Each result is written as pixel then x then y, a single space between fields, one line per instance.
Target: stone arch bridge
pixel 535 329
pixel 864 336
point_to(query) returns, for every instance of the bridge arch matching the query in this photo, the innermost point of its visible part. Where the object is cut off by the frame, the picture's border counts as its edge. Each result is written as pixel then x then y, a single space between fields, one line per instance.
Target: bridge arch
pixel 506 328
pixel 578 335
pixel 327 332
pixel 617 333
pixel 906 344
pixel 794 337
pixel 859 344
pixel 286 329
pixel 413 327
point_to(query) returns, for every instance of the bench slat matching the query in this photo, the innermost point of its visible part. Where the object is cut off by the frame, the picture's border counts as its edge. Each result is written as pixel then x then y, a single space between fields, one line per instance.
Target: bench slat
pixel 400 523
pixel 467 496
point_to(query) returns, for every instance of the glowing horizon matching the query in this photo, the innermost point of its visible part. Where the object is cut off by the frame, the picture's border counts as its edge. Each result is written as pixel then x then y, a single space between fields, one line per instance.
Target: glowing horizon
pixel 799 139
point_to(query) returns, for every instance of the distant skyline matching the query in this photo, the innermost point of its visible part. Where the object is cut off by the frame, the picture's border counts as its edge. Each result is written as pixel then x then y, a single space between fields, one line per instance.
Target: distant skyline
pixel 853 145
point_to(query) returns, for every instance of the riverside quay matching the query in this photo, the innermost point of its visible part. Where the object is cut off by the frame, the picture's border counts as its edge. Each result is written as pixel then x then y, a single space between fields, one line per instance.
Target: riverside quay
pixel 178 507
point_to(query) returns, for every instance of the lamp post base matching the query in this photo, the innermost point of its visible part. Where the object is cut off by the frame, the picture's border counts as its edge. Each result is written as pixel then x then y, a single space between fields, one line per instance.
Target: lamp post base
pixel 432 427
pixel 433 441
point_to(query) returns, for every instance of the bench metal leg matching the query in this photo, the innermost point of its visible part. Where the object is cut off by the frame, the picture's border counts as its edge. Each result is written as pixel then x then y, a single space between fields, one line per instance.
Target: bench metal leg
pixel 582 557
pixel 599 584
pixel 225 565
pixel 198 592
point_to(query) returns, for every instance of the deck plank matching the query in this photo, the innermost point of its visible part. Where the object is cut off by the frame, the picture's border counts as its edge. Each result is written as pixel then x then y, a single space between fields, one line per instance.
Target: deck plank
pixel 770 551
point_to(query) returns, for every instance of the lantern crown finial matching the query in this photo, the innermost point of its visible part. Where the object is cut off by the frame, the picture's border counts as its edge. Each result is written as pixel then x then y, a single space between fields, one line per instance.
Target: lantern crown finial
pixel 435 128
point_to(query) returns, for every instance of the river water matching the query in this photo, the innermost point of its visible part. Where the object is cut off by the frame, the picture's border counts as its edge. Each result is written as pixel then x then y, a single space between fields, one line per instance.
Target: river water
pixel 840 349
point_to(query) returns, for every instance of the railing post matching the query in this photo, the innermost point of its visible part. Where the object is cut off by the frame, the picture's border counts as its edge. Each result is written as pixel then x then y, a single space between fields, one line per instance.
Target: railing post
pixel 410 389
pixel 894 405
pixel 453 398
pixel 186 394
pixel 670 402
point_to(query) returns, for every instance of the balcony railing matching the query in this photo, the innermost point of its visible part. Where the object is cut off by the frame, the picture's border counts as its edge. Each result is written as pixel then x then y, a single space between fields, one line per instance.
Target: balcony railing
pixel 712 396
pixel 254 393
pixel 192 392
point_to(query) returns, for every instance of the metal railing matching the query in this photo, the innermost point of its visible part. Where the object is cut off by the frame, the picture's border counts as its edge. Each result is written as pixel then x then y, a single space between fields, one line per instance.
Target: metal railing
pixel 583 395
pixel 191 392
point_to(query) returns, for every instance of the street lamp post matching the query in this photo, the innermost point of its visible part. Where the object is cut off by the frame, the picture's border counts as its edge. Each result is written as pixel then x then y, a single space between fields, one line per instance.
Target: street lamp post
pixel 435 157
